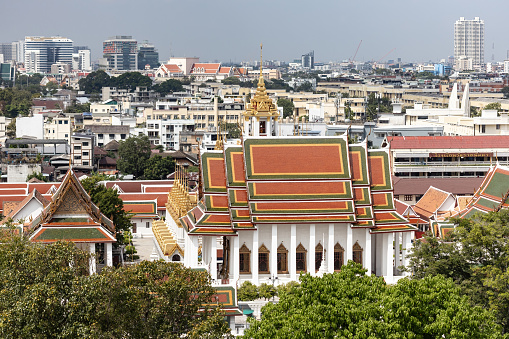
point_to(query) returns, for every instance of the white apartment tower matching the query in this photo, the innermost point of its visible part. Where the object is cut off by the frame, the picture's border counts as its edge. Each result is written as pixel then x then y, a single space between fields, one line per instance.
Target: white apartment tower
pixel 469 41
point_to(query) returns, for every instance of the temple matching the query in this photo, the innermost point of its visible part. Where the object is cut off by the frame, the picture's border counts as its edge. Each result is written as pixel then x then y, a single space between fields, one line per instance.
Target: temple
pixel 272 207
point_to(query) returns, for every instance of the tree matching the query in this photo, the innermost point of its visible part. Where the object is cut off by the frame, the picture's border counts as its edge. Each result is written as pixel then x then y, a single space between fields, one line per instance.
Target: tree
pixel 133 154
pixel 247 291
pixel 505 91
pixel 131 80
pixel 158 167
pixel 494 106
pixel 46 292
pixel 14 102
pixel 266 291
pixel 287 105
pixel 37 175
pixel 94 82
pixel 78 108
pixel 350 304
pixel 168 86
pixel 11 129
pixel 231 81
pixel 474 112
pixel 233 129
pixel 109 203
pixel 474 256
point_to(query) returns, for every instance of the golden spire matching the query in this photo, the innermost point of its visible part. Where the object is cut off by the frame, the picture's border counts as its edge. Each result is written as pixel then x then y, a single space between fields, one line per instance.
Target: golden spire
pixel 219 142
pixel 261 104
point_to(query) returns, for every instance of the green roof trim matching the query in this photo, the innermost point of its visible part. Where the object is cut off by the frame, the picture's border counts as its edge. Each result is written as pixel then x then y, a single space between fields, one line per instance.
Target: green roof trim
pixel 73 234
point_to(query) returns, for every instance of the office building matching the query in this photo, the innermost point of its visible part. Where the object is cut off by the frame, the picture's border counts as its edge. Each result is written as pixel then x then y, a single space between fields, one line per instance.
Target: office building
pixel 42 52
pixel 469 41
pixel 147 55
pixel 81 60
pixel 308 60
pixel 121 53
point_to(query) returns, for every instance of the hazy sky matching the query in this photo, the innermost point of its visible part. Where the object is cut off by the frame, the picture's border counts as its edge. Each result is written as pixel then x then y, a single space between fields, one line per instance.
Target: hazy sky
pixel 233 29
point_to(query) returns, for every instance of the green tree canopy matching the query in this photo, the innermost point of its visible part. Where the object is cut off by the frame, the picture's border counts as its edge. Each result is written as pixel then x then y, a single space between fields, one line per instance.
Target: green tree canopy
pixel 505 91
pixel 168 86
pixel 14 102
pixel 247 291
pixel 494 105
pixel 158 167
pixel 350 304
pixel 37 175
pixel 46 292
pixel 109 202
pixel 78 108
pixel 94 82
pixel 131 80
pixel 133 154
pixel 287 105
pixel 475 257
pixel 233 129
pixel 231 81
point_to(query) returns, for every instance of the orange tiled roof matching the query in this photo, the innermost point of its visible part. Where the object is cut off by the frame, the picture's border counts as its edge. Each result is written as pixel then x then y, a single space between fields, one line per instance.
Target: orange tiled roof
pixel 431 202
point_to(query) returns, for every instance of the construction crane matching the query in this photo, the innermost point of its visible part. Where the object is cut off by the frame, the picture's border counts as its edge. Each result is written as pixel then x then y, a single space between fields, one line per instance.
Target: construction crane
pixel 353 59
pixel 392 50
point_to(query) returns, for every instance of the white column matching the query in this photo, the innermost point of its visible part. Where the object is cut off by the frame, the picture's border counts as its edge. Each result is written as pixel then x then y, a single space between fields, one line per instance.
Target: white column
pixel 397 262
pixel 388 253
pixel 194 251
pixel 213 256
pixel 367 253
pixel 273 252
pixel 312 244
pixel 109 254
pixel 330 252
pixel 293 255
pixel 254 258
pixel 349 243
pixel 92 264
pixel 236 259
pixel 407 246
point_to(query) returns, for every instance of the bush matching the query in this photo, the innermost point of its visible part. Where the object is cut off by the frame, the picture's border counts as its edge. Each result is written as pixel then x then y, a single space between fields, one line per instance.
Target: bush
pixel 247 292
pixel 266 291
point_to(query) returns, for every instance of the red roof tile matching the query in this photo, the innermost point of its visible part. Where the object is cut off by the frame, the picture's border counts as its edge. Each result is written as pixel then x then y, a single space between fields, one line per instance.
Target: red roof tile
pixel 419 186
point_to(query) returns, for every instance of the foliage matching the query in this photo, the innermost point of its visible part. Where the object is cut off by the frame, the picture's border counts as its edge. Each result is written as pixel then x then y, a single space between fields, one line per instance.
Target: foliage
pixel 505 91
pixel 376 106
pixel 266 291
pixel 78 108
pixel 474 112
pixel 168 86
pixel 158 167
pixel 14 102
pixel 350 304
pixel 37 175
pixel 494 105
pixel 109 203
pixel 287 105
pixel 277 84
pixel 231 81
pixel 475 257
pixel 94 82
pixel 46 292
pixel 305 87
pixel 286 288
pixel 383 71
pixel 11 129
pixel 133 154
pixel 247 291
pixel 348 111
pixel 233 129
pixel 131 80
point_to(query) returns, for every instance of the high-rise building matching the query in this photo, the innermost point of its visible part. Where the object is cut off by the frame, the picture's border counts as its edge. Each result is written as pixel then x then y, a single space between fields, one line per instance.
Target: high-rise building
pixel 147 55
pixel 41 53
pixel 81 59
pixel 121 53
pixel 469 41
pixel 308 60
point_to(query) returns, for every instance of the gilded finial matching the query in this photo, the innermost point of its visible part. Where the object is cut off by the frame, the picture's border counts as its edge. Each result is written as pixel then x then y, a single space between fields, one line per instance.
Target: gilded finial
pixel 261 59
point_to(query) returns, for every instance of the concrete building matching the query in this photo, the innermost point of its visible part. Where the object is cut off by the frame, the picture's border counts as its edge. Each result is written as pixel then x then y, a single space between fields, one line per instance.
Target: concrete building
pixel 469 41
pixel 166 132
pixel 147 55
pixel 42 52
pixel 121 53
pixel 81 60
pixel 106 133
pixel 82 150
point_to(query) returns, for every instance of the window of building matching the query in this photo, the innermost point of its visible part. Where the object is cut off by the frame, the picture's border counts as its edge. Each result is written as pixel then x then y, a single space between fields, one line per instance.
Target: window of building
pixel 318 256
pixel 122 136
pixel 244 260
pixel 497 126
pixel 100 136
pixel 147 224
pixel 282 259
pixel 85 153
pixel 408 197
pixel 85 143
pixel 263 259
pixel 262 127
pixel 60 122
pixel 85 163
pixel 300 258
pixel 66 122
pixel 134 227
pixel 357 253
pixel 77 157
pixel 112 136
pixel 77 147
pixel 339 253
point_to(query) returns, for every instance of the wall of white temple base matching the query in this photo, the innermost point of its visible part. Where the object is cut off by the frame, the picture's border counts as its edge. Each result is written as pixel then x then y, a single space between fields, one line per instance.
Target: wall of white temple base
pixel 407 246
pixel 379 249
pixel 292 254
pixel 254 257
pixel 311 256
pixel 367 253
pixel 397 260
pixel 234 261
pixel 92 265
pixel 213 258
pixel 273 252
pixel 330 252
pixel 193 250
pixel 388 253
pixel 109 254
pixel 349 243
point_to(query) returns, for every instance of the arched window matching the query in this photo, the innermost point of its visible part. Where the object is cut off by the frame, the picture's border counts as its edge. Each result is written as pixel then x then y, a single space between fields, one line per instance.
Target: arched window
pixel 357 253
pixel 244 260
pixel 263 259
pixel 339 253
pixel 318 256
pixel 300 258
pixel 282 259
pixel 175 257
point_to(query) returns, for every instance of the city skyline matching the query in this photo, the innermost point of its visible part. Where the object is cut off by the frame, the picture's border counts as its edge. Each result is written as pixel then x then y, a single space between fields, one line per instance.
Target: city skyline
pixel 225 30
